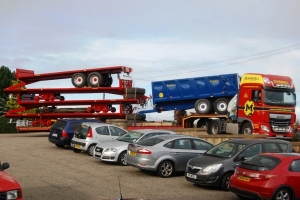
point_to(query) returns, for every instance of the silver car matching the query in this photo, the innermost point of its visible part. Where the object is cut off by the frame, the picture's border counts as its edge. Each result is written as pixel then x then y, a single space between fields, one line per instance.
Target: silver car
pixel 88 134
pixel 166 154
pixel 116 150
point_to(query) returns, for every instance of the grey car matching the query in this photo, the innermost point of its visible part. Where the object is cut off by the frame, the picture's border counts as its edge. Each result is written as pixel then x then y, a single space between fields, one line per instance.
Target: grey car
pixel 166 154
pixel 88 134
pixel 116 150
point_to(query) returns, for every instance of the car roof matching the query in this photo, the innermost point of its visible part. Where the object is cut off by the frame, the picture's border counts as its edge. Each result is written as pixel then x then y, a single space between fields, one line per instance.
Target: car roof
pixel 253 141
pixel 167 137
pixel 152 131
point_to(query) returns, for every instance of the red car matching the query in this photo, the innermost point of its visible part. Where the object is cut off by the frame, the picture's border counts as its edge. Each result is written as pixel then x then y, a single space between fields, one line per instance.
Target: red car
pixel 9 187
pixel 268 176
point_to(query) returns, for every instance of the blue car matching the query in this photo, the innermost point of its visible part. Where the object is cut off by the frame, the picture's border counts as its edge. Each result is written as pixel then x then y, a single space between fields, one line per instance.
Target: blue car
pixel 62 131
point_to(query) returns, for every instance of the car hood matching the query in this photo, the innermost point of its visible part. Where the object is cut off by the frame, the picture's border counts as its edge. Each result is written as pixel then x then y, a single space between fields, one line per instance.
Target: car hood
pixel 205 160
pixel 112 143
pixel 7 182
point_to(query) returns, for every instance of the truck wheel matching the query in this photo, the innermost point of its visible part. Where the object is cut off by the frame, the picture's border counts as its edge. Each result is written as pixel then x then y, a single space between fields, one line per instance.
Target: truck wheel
pixel 201 124
pixel 247 129
pixel 79 80
pixel 221 105
pixel 203 106
pixel 214 127
pixel 95 79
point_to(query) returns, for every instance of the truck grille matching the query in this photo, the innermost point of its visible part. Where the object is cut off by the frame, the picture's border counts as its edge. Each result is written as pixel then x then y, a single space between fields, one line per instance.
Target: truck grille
pixel 280 123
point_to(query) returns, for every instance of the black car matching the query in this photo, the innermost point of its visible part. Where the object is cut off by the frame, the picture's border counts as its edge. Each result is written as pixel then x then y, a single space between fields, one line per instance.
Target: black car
pixel 215 167
pixel 62 131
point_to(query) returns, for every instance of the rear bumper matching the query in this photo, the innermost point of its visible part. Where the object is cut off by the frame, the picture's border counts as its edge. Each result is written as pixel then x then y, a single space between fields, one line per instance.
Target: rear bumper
pixel 245 193
pixel 61 141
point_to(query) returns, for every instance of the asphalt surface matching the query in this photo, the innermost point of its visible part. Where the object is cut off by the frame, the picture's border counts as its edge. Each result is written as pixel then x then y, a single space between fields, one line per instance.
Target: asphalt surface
pixel 51 173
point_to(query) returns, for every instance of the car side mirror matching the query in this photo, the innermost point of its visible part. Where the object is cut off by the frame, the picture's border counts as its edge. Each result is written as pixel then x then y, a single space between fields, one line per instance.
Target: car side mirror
pixel 5 166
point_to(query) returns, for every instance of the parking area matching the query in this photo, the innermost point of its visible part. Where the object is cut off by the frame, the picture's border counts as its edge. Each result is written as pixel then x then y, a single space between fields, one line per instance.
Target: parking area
pixel 48 172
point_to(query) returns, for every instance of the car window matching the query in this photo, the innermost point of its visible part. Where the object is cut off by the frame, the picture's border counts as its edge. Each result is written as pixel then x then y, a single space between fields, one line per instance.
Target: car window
pixel 260 163
pixel 253 150
pixel 295 166
pixel 102 130
pixel 115 131
pixel 271 148
pixel 81 131
pixel 146 136
pixel 284 147
pixel 168 145
pixel 59 125
pixel 225 149
pixel 202 145
pixel 132 136
pixel 150 141
pixel 182 144
pixel 73 126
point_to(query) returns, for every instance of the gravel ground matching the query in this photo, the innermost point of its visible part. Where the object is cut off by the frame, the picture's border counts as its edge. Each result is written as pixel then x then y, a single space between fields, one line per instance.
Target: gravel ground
pixel 50 173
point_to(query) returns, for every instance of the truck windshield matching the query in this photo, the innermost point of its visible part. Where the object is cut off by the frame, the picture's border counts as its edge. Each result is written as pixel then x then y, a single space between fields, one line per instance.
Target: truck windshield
pixel 279 98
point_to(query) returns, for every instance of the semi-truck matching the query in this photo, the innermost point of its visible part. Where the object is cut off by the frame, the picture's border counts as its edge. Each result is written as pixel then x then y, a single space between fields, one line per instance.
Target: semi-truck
pixel 247 98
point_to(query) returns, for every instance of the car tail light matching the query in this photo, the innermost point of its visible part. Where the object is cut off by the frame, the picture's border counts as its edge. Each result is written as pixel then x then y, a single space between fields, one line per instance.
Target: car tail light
pixel 64 134
pixel 260 176
pixel 143 151
pixel 89 133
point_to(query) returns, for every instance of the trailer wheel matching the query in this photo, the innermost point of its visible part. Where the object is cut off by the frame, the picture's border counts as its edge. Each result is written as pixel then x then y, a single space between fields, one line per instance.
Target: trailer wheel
pixel 79 80
pixel 214 127
pixel 203 106
pixel 221 105
pixel 107 80
pixel 247 129
pixel 95 79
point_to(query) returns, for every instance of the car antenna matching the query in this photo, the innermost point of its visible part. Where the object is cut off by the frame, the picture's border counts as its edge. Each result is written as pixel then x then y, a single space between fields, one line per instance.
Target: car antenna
pixel 120 189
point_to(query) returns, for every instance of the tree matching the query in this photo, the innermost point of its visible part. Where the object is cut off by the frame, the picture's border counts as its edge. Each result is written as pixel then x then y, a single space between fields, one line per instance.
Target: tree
pixel 6 77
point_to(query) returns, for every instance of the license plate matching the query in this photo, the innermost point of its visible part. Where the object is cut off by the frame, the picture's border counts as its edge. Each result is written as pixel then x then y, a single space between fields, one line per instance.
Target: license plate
pixel 243 178
pixel 77 146
pixel 279 136
pixel 132 153
pixel 191 176
pixel 54 134
pixel 98 154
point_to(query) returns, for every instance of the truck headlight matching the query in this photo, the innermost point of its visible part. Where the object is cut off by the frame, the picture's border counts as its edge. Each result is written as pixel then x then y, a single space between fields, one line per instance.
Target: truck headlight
pixel 211 169
pixel 265 128
pixel 13 194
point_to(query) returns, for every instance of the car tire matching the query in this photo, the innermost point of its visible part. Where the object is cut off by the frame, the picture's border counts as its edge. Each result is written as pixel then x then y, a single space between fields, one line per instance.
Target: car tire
pixel 76 150
pixel 90 150
pixel 165 169
pixel 122 160
pixel 247 129
pixel 225 182
pixel 59 145
pixel 282 193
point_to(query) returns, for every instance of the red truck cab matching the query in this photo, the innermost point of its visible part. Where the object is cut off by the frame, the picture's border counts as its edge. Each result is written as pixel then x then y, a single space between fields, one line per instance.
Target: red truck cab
pixel 9 187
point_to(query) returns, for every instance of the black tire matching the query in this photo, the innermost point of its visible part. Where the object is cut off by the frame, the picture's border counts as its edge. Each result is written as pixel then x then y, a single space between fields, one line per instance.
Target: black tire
pixel 214 127
pixel 165 169
pixel 134 90
pixel 122 160
pixel 225 182
pixel 246 129
pixel 282 193
pixel 95 79
pixel 60 146
pixel 203 106
pixel 79 80
pixel 76 150
pixel 221 105
pixel 90 150
pixel 201 124
pixel 134 117
pixel 107 80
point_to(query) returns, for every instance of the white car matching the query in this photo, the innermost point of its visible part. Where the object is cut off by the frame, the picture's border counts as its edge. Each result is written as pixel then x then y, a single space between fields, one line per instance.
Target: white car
pixel 88 134
pixel 116 150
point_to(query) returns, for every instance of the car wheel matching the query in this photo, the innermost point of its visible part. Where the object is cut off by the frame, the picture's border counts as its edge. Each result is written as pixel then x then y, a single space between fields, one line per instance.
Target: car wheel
pixel 59 145
pixel 122 160
pixel 282 193
pixel 225 182
pixel 165 169
pixel 76 150
pixel 90 150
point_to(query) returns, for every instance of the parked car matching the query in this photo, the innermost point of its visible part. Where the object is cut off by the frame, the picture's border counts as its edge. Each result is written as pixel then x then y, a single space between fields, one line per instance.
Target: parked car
pixel 62 131
pixel 268 176
pixel 89 134
pixel 9 187
pixel 216 166
pixel 116 150
pixel 165 154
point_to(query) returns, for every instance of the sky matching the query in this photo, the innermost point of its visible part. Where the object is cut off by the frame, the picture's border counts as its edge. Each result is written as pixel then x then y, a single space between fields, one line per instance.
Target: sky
pixel 159 40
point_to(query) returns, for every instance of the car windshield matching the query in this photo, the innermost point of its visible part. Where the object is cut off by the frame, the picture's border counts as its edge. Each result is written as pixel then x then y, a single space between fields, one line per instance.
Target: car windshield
pixel 279 98
pixel 150 141
pixel 81 131
pixel 260 163
pixel 130 136
pixel 225 149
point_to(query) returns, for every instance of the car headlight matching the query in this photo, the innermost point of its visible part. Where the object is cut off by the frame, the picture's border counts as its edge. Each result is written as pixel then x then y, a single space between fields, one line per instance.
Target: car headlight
pixel 13 194
pixel 211 169
pixel 110 149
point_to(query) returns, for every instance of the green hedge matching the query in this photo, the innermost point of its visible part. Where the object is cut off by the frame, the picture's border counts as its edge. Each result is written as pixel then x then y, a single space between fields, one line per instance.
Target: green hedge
pixel 6 127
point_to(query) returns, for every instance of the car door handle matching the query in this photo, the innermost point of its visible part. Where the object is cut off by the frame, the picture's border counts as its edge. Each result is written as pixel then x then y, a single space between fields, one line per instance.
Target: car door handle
pixel 176 153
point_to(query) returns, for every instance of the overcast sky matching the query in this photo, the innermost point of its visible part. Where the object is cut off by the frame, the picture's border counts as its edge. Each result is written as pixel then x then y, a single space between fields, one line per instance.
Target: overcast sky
pixel 159 39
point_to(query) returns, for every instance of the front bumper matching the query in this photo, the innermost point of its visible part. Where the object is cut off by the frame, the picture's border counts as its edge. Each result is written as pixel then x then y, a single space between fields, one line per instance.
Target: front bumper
pixel 209 180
